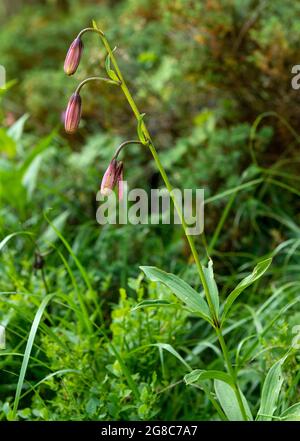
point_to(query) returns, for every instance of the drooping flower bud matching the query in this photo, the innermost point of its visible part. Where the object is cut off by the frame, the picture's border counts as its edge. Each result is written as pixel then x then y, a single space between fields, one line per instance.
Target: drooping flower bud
pixel 73 113
pixel 109 178
pixel 120 181
pixel 73 56
pixel 112 177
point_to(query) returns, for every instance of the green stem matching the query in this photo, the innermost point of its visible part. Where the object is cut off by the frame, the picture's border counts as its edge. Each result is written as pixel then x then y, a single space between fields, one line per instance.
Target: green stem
pixel 87 80
pixel 190 239
pixel 44 281
pixel 121 146
pixel 231 372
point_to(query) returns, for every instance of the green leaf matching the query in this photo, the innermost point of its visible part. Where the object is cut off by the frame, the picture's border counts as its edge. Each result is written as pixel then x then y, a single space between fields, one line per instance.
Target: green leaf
pixel 30 341
pixel 140 130
pixel 292 413
pixel 10 236
pixel 258 271
pixel 153 303
pixel 53 374
pixel 172 351
pixel 50 235
pixel 8 85
pixel 92 406
pixel 181 289
pixel 270 391
pixel 212 286
pixel 201 375
pixel 29 179
pixel 227 398
pixel 94 24
pixel 110 72
pixel 42 145
pixel 8 145
pixel 16 130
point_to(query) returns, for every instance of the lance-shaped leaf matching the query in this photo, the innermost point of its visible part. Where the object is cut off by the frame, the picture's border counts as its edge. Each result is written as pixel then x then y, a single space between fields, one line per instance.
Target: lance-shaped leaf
pixel 151 302
pixel 228 400
pixel 292 413
pixel 212 286
pixel 110 72
pixel 169 348
pixel 199 375
pixel 181 289
pixel 10 236
pixel 258 271
pixel 28 349
pixel 140 129
pixel 270 391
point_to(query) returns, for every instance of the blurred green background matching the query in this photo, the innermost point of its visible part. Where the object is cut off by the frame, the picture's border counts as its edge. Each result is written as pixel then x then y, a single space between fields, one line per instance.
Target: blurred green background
pixel 205 73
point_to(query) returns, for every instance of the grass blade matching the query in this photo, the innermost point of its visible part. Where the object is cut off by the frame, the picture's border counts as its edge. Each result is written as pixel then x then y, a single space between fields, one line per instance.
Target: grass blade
pixel 270 391
pixel 172 351
pixel 152 303
pixel 30 341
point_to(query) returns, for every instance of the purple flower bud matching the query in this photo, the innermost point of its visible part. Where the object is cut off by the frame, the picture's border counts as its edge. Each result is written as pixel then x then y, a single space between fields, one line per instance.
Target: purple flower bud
pixel 112 177
pixel 73 56
pixel 109 178
pixel 73 113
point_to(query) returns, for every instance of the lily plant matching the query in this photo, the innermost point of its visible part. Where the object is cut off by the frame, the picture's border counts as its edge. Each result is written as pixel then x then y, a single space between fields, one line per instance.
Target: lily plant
pixel 222 387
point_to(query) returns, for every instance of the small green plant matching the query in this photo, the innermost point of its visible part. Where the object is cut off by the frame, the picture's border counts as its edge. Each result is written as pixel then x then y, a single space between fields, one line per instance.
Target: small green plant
pixel 226 394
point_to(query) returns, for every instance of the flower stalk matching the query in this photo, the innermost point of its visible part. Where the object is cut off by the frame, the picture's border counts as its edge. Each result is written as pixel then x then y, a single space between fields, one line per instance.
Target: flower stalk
pixel 88 80
pixel 121 146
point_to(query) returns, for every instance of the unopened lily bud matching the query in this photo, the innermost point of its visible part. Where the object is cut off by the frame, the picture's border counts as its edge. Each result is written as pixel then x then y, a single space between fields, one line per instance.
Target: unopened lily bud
pixel 112 177
pixel 73 113
pixel 109 178
pixel 73 56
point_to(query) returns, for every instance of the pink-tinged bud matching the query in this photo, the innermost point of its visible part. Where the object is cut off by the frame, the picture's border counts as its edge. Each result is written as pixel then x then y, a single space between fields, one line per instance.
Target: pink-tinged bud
pixel 109 178
pixel 73 56
pixel 112 177
pixel 120 181
pixel 73 113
